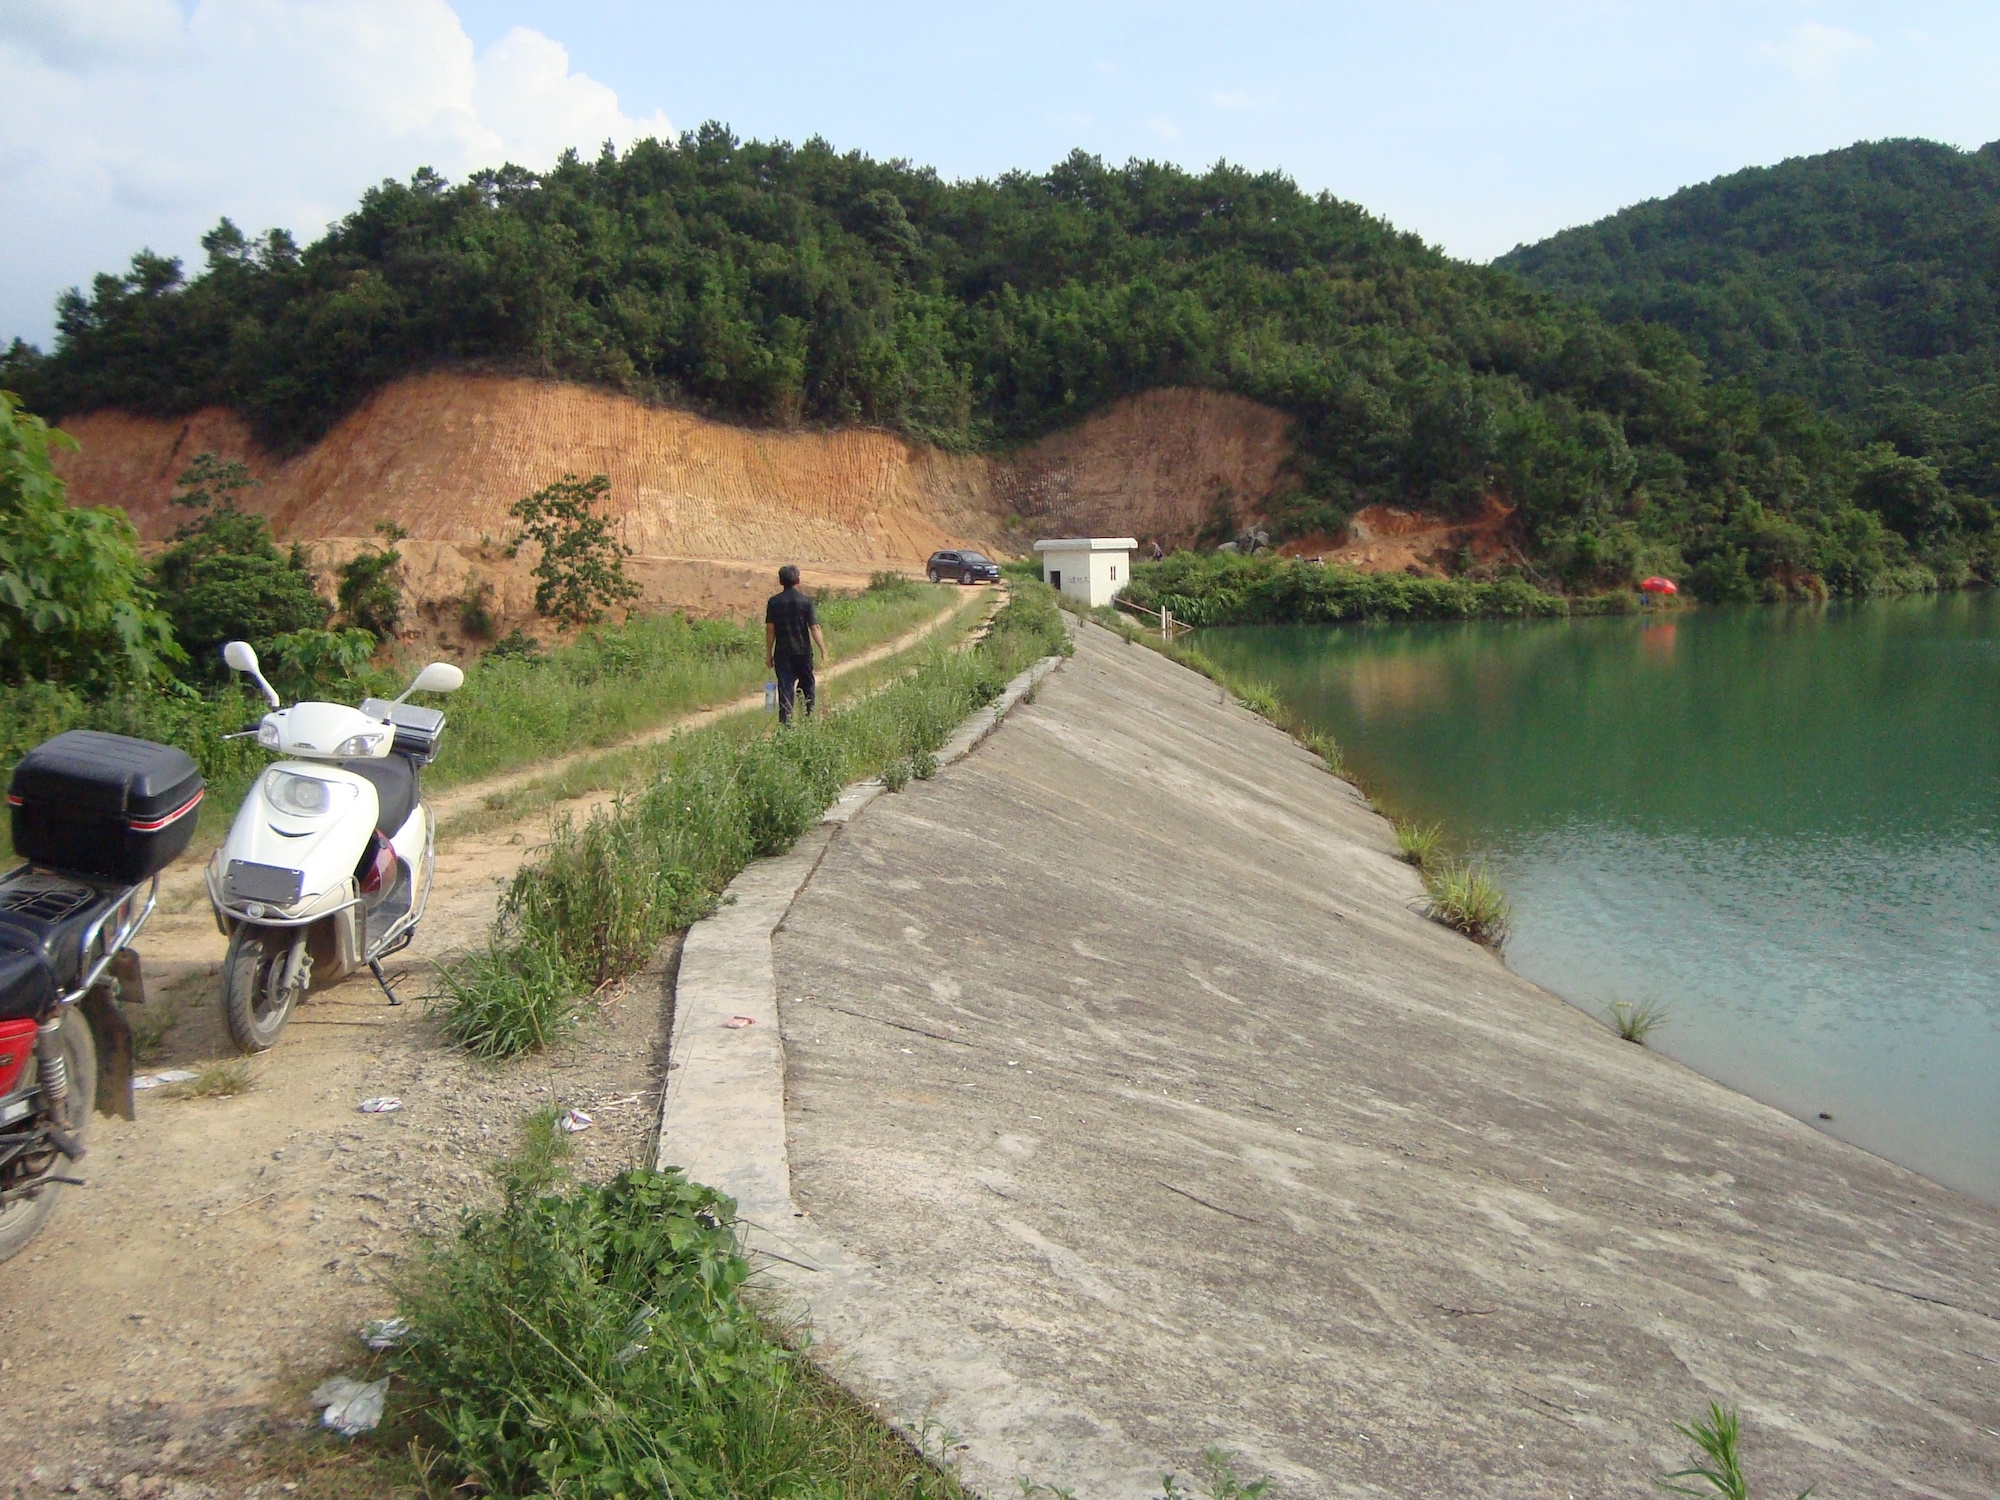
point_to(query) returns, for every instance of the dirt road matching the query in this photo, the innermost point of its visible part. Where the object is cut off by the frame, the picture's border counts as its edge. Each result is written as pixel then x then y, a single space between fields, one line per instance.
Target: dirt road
pixel 226 1249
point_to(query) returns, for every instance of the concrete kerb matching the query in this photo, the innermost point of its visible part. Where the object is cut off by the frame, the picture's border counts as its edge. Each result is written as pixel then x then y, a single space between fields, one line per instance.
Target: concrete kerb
pixel 722 1118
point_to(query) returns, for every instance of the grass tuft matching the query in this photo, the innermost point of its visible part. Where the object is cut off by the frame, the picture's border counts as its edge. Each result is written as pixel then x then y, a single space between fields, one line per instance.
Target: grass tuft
pixel 223 1079
pixel 1420 844
pixel 499 1002
pixel 1467 899
pixel 1634 1023
pixel 1716 1435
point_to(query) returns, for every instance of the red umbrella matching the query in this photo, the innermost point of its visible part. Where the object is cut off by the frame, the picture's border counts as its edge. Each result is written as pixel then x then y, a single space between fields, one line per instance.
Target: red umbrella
pixel 1658 585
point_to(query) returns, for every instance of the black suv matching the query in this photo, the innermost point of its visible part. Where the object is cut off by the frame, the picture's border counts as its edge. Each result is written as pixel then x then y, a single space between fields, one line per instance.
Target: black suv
pixel 962 567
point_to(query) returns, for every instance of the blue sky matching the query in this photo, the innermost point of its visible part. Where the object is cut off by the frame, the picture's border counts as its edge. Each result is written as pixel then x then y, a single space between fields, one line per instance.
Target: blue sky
pixel 138 122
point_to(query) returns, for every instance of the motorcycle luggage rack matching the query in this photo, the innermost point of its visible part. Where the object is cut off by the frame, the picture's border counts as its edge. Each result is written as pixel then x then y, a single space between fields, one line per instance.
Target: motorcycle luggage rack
pixel 18 881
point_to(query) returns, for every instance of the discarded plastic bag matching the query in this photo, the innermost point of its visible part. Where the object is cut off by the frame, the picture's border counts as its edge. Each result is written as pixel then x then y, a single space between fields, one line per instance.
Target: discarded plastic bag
pixel 574 1120
pixel 737 1023
pixel 385 1333
pixel 386 1105
pixel 352 1406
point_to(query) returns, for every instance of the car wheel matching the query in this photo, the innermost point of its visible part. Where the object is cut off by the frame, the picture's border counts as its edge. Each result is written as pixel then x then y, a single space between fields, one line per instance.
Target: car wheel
pixel 932 575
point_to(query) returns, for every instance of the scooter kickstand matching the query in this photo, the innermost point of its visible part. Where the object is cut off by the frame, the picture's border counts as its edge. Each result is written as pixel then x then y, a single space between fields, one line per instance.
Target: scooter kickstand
pixel 375 968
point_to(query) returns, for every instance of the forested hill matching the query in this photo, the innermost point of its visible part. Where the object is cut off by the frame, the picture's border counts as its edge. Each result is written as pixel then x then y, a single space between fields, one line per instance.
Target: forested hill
pixel 781 284
pixel 1865 280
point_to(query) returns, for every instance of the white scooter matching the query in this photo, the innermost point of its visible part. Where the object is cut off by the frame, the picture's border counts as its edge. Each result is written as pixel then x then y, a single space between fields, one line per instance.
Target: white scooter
pixel 328 865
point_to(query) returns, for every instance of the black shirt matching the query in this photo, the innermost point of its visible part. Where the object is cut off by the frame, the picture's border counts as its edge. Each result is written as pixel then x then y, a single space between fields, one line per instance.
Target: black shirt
pixel 792 613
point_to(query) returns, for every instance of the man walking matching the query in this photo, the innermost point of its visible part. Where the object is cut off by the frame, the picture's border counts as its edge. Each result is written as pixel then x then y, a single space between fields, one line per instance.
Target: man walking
pixel 791 629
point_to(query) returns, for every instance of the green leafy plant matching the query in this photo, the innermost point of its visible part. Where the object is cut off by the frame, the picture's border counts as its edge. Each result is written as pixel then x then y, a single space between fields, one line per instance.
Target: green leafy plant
pixel 896 774
pixel 371 585
pixel 580 571
pixel 74 608
pixel 1716 1435
pixel 1635 1022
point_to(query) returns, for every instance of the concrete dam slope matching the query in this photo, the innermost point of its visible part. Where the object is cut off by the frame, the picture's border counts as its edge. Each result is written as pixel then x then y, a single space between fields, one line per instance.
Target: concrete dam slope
pixel 1121 1062
pixel 708 507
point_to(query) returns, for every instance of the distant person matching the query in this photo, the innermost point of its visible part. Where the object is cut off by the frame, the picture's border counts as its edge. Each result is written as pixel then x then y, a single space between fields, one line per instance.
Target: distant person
pixel 1157 553
pixel 791 629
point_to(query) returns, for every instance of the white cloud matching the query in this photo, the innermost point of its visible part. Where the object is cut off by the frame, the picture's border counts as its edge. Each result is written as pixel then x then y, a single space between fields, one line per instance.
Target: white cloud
pixel 126 123
pixel 1816 53
pixel 1235 99
pixel 1164 128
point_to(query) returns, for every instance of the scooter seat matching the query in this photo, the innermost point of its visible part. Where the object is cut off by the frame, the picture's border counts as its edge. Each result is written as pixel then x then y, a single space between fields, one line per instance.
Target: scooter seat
pixel 396 789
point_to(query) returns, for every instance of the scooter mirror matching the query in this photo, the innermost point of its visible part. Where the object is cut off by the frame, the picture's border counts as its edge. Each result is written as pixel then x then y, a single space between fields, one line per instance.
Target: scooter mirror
pixel 240 656
pixel 438 677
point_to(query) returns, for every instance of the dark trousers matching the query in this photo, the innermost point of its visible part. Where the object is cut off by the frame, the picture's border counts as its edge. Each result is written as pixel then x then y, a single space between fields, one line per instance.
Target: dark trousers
pixel 795 675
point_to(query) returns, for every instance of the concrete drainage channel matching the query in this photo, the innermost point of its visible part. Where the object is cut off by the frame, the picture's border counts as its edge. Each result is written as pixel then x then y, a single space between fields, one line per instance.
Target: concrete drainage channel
pixel 722 1121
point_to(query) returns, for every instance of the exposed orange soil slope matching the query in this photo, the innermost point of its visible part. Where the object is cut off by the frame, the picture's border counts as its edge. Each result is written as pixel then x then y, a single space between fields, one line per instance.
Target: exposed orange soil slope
pixel 708 508
pixel 1391 539
pixel 1151 466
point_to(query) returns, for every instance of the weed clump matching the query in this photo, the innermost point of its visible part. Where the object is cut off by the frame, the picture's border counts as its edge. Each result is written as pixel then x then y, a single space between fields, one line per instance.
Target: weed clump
pixel 592 1341
pixel 1419 844
pixel 1634 1023
pixel 223 1079
pixel 1465 898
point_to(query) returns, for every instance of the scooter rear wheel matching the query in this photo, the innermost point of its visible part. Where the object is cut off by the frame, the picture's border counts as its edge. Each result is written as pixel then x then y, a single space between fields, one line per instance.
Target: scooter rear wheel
pixel 23 1218
pixel 254 1001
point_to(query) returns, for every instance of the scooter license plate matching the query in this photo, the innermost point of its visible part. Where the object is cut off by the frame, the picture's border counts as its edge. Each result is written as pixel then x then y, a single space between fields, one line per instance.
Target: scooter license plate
pixel 245 881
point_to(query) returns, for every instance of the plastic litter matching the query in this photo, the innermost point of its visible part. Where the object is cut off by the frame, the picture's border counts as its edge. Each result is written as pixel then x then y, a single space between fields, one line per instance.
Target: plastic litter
pixel 737 1023
pixel 161 1080
pixel 574 1120
pixel 385 1333
pixel 386 1105
pixel 352 1406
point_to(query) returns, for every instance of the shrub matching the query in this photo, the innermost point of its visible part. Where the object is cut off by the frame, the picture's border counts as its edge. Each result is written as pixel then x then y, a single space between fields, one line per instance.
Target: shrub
pixel 222 578
pixel 581 570
pixel 475 609
pixel 371 586
pixel 74 609
pixel 1220 588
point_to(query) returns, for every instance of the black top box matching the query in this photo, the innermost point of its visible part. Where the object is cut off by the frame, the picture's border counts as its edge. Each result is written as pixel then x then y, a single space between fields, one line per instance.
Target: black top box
pixel 104 805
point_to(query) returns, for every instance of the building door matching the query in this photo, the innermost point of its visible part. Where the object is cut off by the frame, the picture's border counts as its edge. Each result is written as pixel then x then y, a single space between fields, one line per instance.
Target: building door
pixel 1055 580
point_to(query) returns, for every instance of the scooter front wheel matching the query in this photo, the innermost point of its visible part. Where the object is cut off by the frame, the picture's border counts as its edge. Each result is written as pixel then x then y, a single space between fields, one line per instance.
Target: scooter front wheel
pixel 256 1002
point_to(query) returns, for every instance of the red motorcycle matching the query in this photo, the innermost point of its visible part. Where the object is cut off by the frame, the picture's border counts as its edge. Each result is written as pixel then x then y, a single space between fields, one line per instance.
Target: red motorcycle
pixel 96 817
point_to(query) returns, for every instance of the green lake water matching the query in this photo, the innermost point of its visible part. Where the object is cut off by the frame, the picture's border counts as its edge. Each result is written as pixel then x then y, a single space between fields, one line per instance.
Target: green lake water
pixel 1781 823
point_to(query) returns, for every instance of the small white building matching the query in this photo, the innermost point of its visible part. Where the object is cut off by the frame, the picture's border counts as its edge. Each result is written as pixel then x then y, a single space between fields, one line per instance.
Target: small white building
pixel 1090 568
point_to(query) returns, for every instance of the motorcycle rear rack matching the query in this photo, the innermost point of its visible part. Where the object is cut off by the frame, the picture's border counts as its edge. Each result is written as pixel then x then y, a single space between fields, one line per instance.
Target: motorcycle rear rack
pixel 127 930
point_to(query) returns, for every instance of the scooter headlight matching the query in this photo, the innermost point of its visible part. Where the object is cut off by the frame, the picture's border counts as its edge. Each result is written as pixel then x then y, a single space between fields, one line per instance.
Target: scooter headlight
pixel 267 733
pixel 306 796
